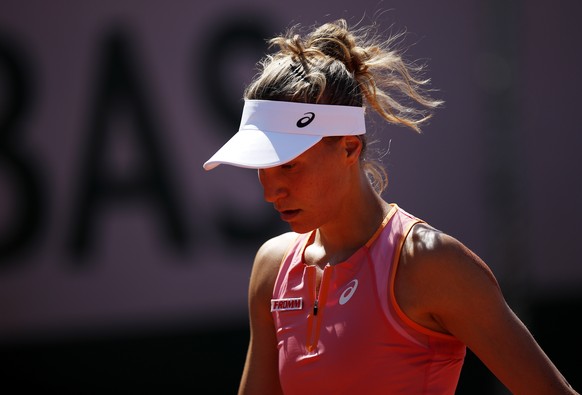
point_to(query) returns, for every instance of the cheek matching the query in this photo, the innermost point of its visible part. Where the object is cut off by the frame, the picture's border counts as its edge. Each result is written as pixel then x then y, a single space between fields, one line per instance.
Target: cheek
pixel 326 188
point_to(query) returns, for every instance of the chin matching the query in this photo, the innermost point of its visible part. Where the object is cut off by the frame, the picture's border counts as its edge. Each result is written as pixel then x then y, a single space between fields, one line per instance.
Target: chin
pixel 300 228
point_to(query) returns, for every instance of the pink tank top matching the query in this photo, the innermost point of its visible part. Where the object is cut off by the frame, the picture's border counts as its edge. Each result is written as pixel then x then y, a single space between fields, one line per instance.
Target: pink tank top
pixel 351 337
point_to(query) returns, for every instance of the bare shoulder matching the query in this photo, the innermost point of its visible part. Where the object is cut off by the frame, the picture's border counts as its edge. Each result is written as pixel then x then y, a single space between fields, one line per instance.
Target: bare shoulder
pixel 267 262
pixel 439 279
pixel 428 251
pixel 276 247
pixel 442 285
pixel 271 253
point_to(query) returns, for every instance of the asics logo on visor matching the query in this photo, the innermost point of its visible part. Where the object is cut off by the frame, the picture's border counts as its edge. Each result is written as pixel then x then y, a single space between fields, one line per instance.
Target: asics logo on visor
pixel 306 120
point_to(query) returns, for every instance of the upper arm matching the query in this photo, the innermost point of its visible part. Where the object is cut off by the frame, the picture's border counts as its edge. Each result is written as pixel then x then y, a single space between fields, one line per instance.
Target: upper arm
pixel 261 373
pixel 455 292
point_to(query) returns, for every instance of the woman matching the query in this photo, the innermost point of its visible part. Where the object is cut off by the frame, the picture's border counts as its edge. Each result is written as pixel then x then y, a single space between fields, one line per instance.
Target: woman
pixel 361 297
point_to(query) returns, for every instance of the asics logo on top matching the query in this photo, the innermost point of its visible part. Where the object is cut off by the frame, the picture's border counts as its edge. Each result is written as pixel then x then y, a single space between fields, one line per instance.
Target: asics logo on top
pixel 348 292
pixel 306 120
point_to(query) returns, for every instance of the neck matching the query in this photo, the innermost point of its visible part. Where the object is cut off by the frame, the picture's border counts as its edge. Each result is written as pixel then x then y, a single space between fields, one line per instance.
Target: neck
pixel 362 215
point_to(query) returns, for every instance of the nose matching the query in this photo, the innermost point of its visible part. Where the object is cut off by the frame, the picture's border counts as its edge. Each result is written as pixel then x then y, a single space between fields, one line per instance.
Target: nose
pixel 273 187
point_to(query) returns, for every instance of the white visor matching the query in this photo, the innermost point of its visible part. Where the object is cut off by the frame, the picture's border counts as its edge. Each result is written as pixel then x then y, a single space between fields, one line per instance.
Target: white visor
pixel 272 133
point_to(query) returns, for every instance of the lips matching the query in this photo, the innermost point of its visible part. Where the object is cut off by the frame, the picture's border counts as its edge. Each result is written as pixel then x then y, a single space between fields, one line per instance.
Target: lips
pixel 288 215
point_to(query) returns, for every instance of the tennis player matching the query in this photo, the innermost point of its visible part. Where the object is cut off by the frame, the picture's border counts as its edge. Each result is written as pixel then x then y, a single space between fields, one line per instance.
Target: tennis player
pixel 360 297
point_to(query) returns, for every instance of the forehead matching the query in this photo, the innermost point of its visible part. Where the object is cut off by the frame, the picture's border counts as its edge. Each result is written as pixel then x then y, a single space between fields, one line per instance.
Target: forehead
pixel 322 149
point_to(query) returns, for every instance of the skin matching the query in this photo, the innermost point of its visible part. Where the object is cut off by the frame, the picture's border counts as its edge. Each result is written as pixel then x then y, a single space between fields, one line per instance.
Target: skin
pixel 440 284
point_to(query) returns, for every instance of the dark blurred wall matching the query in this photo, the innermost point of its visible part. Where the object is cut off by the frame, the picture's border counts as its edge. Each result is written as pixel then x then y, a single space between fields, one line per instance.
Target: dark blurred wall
pixel 124 265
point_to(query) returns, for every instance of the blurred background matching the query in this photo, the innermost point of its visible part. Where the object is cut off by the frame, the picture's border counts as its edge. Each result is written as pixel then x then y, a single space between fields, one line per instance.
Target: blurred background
pixel 124 265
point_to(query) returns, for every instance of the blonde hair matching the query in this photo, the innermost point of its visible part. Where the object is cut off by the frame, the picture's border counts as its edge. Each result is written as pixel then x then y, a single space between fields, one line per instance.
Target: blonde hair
pixel 336 65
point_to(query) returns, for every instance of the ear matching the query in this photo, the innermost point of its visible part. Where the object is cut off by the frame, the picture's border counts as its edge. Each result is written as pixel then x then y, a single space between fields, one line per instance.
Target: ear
pixel 353 148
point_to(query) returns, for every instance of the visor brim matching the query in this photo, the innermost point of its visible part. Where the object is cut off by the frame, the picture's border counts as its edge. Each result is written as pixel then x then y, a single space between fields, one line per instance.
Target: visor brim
pixel 256 149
